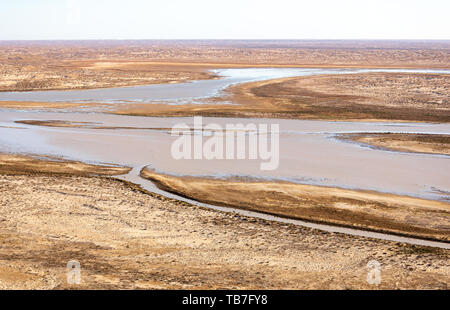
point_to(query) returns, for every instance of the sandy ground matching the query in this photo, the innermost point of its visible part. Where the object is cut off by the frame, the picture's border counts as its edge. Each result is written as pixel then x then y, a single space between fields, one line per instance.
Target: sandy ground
pixel 90 125
pixel 81 75
pixel 33 68
pixel 83 65
pixel 366 210
pixel 53 211
pixel 125 238
pixel 358 97
pixel 47 106
pixel 414 143
pixel 40 65
pixel 367 96
pixel 45 164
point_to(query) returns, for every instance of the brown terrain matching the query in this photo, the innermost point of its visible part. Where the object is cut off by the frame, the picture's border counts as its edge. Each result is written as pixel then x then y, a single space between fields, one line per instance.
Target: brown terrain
pixel 366 96
pixel 125 237
pixel 45 164
pixel 90 125
pixel 414 143
pixel 367 210
pixel 53 210
pixel 358 97
pixel 42 65
pixel 381 96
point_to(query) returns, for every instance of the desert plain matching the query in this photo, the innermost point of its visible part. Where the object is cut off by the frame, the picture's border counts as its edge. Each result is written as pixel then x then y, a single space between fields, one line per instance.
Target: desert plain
pixel 56 209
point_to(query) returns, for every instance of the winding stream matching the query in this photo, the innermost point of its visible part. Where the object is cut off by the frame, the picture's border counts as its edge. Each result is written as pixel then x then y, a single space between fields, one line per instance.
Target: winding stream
pixel 309 152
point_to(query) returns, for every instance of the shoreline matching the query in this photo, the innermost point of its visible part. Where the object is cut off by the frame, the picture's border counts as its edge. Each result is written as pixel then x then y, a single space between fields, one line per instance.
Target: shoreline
pixel 430 144
pixel 301 97
pixel 129 239
pixel 281 98
pixel 334 214
pixel 18 164
pixel 205 68
pixel 111 196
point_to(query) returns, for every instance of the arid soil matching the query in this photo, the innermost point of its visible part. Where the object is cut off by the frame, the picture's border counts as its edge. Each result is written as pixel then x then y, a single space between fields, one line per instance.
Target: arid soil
pixel 53 211
pixel 365 96
pixel 366 210
pixel 37 164
pixel 126 238
pixel 60 67
pixel 42 65
pixel 90 125
pixel 415 143
pixel 368 96
pixel 98 64
pixel 47 106
pixel 393 96
pixel 87 75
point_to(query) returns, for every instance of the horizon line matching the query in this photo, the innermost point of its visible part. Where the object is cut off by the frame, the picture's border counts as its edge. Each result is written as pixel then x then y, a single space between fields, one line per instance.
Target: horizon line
pixel 219 39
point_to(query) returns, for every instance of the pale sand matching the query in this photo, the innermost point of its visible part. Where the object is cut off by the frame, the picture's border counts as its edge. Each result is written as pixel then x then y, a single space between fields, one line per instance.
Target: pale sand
pixel 47 164
pixel 413 143
pixel 127 238
pixel 124 238
pixel 367 210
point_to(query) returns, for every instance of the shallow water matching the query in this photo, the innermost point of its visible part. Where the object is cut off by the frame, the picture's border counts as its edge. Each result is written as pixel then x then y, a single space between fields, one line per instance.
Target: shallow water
pixel 309 152
pixel 184 92
pixel 134 177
